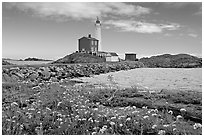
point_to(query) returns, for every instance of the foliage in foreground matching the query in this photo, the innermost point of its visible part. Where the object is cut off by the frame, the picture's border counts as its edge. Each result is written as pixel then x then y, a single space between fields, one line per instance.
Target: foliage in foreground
pixel 55 108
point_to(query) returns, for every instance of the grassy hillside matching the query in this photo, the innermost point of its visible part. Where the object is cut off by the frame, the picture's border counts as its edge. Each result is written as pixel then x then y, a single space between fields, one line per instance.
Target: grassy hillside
pixel 172 61
pixel 80 58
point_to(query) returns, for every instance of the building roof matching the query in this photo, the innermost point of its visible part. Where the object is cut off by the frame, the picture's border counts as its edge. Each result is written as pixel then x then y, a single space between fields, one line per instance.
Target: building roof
pixel 108 53
pixel 113 54
pixel 89 38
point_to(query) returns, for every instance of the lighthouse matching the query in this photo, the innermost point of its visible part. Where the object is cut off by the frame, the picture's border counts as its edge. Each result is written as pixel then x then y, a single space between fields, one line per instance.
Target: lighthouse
pixel 98 33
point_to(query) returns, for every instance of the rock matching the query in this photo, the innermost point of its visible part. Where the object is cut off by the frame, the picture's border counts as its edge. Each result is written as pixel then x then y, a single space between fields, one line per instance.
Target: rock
pixel 6 78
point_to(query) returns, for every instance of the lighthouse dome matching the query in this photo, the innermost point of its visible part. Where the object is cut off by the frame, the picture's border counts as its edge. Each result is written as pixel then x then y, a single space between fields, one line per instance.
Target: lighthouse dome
pixel 97 20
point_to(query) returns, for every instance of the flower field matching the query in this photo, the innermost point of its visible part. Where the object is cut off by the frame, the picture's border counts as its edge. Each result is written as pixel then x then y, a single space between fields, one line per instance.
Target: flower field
pixel 62 108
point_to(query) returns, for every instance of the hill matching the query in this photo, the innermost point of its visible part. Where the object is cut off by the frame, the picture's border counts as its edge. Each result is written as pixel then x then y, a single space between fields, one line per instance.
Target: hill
pixel 35 59
pixel 80 58
pixel 172 61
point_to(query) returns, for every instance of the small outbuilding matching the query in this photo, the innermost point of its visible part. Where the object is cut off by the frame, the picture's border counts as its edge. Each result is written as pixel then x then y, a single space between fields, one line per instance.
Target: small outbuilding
pixel 130 57
pixel 112 57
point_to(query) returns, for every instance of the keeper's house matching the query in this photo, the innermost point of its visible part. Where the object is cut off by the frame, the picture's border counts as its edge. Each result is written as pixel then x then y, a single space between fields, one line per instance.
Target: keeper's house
pixel 88 45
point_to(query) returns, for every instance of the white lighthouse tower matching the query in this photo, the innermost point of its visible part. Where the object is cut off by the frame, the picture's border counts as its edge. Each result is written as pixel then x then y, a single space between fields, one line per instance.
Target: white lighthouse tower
pixel 98 33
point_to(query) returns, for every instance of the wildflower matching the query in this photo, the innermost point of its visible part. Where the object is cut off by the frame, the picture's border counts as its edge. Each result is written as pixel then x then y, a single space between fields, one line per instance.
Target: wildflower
pixel 154 126
pixel 144 107
pixel 154 114
pixel 156 111
pixel 113 117
pixel 173 125
pixel 135 111
pixel 179 117
pixel 134 107
pixel 59 104
pixel 103 129
pixel 31 109
pixel 182 110
pixel 83 119
pixel 165 125
pixel 94 133
pixel 14 104
pixel 120 125
pixel 112 123
pixel 95 109
pixel 128 119
pixel 170 112
pixel 174 129
pixel 98 103
pixel 161 132
pixel 197 125
pixel 146 117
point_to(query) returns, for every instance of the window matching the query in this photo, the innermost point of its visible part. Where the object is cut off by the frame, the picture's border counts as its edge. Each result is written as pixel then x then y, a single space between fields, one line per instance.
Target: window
pixel 92 42
pixel 95 42
pixel 92 49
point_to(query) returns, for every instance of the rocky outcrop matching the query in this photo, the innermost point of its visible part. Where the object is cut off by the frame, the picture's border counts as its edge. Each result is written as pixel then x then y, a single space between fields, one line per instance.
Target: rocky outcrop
pixel 59 72
pixel 6 63
pixel 172 61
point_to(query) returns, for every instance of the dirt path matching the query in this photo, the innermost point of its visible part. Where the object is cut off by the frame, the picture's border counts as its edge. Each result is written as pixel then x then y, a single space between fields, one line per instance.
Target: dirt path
pixel 152 78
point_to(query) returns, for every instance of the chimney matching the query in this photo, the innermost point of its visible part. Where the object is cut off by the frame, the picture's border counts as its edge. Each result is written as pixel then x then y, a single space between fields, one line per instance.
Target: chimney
pixel 89 35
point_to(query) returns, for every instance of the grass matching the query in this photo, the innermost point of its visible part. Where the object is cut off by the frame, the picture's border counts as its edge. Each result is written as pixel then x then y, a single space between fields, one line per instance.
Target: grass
pixel 59 108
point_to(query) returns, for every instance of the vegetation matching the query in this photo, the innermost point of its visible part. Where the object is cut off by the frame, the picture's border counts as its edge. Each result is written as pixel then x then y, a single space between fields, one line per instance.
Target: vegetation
pixel 80 58
pixel 58 108
pixel 172 61
pixel 35 59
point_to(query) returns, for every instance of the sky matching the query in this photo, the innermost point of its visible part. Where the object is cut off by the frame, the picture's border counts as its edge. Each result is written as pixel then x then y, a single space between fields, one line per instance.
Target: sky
pixel 51 30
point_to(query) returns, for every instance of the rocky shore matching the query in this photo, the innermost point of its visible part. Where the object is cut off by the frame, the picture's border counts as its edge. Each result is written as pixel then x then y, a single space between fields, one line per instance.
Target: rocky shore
pixel 57 72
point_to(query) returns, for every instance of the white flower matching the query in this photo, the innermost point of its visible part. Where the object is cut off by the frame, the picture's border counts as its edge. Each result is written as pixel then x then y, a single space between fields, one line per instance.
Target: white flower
pixel 128 119
pixel 146 117
pixel 144 107
pixel 179 117
pixel 121 125
pixel 174 129
pixel 95 109
pixel 134 107
pixel 173 125
pixel 112 123
pixel 182 110
pixel 113 117
pixel 161 132
pixel 154 114
pixel 170 112
pixel 197 125
pixel 156 111
pixel 103 129
pixel 154 126
pixel 165 125
pixel 94 133
pixel 14 104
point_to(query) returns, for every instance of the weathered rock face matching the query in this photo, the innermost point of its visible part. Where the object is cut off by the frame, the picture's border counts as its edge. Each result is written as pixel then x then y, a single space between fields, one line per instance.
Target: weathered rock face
pixel 56 73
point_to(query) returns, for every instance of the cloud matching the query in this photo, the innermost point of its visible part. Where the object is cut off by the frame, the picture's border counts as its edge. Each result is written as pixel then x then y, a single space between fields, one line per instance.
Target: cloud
pixel 141 27
pixel 193 35
pixel 80 10
pixel 199 12
pixel 178 5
